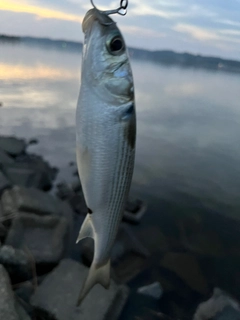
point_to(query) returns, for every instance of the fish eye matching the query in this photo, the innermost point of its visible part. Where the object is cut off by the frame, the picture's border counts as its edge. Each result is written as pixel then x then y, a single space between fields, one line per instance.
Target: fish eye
pixel 116 45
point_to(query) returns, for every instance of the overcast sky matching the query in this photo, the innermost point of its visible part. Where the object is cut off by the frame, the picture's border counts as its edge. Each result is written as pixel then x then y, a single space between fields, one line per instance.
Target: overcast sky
pixel 209 27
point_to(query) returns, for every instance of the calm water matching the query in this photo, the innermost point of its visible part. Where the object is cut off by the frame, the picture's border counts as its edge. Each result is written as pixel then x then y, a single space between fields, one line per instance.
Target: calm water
pixel 188 122
pixel 188 150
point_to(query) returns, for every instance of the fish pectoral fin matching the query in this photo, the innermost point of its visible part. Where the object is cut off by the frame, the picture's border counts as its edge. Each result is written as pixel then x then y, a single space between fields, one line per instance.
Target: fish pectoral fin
pixel 97 274
pixel 87 229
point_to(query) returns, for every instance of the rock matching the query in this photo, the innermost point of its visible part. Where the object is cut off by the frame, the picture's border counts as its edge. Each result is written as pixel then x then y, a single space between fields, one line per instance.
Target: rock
pixel 153 290
pixel 44 237
pixel 5 158
pixel 17 263
pixel 63 191
pixel 31 171
pixel 76 185
pixel 20 199
pixel 7 303
pixel 23 175
pixel 78 203
pixel 22 314
pixel 42 169
pixel 228 313
pixel 38 163
pixel 12 145
pixel 58 294
pixel 128 255
pixel 75 173
pixel 4 182
pixel 134 210
pixel 66 212
pixel 187 268
pixel 24 291
pixel 33 141
pixel 3 229
pixel 219 307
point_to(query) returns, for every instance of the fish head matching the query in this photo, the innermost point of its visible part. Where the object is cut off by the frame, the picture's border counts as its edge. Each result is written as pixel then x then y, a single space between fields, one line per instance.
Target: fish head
pixel 105 65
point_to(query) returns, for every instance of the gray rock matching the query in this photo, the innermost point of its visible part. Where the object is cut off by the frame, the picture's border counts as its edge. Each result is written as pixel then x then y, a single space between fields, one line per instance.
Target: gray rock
pixel 5 158
pixel 59 292
pixel 30 171
pixel 39 164
pixel 20 199
pixel 23 175
pixel 78 203
pixel 3 229
pixel 134 210
pixel 153 290
pixel 17 263
pixel 12 145
pixel 44 237
pixel 63 191
pixel 220 306
pixel 228 313
pixel 24 291
pixel 33 141
pixel 66 212
pixel 128 255
pixel 4 182
pixel 22 314
pixel 76 185
pixel 7 303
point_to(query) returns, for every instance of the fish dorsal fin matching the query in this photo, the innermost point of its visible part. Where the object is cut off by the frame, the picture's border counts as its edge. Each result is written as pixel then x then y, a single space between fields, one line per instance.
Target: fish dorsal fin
pixel 87 229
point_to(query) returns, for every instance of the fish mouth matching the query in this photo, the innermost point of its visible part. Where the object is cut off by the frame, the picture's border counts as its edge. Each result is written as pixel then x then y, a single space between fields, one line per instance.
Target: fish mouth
pixel 93 15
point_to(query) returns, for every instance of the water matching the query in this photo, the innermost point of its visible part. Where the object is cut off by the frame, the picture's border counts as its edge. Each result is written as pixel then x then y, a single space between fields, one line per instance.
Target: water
pixel 188 121
pixel 188 151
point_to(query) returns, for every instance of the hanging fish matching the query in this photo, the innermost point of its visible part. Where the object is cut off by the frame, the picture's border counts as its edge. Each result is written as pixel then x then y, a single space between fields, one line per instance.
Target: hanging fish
pixel 106 134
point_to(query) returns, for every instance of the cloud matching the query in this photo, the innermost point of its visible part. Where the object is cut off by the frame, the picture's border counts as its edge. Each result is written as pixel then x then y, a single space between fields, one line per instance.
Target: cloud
pixel 228 22
pixel 230 32
pixel 22 24
pixel 196 32
pixel 146 9
pixel 142 32
pixel 39 11
pixel 219 38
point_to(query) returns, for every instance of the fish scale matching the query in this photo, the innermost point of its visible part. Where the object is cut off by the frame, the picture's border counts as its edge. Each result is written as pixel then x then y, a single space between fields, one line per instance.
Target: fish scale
pixel 106 131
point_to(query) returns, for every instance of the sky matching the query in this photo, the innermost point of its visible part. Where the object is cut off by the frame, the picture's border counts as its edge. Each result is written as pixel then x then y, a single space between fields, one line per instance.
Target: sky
pixel 207 27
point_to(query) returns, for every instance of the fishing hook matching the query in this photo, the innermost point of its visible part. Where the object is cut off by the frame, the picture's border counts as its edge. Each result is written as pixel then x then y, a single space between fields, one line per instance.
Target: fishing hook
pixel 122 10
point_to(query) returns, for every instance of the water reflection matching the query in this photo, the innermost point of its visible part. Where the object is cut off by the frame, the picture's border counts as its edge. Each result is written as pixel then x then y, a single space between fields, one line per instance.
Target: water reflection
pixel 12 72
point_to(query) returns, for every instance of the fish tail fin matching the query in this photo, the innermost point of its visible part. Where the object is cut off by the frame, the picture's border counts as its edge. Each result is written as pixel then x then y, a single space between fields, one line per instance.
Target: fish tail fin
pixel 87 229
pixel 97 274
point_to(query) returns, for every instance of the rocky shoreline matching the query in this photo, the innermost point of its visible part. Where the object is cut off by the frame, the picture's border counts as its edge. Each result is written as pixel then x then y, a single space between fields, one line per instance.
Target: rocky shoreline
pixel 154 275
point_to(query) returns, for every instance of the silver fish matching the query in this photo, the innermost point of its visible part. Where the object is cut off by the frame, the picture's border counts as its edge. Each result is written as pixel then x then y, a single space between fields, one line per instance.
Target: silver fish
pixel 106 134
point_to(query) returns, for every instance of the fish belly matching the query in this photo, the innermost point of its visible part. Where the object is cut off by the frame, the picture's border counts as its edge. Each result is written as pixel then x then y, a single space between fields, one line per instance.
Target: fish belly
pixel 105 164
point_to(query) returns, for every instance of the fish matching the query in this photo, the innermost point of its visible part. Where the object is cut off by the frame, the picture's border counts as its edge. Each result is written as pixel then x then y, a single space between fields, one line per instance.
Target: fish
pixel 105 138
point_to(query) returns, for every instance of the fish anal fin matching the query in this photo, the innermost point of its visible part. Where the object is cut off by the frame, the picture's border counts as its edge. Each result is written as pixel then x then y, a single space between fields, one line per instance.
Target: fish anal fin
pixel 97 274
pixel 87 229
